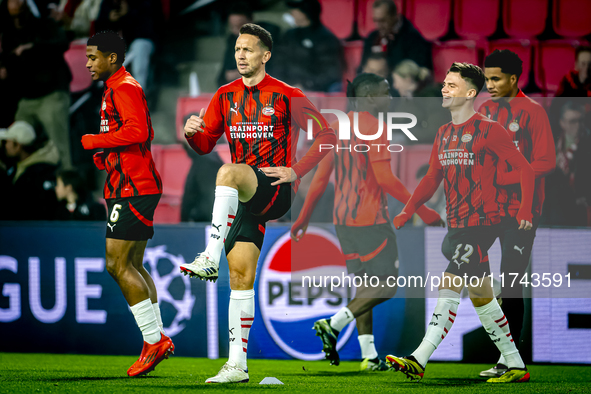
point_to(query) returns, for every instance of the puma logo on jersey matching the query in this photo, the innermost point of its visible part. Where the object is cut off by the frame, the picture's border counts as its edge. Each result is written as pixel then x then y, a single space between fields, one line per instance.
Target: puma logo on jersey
pixel 520 250
pixel 216 227
pixel 445 139
pixel 111 226
pixel 235 109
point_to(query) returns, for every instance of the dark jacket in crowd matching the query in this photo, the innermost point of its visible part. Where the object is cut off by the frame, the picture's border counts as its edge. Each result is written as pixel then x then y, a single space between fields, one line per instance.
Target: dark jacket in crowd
pixel 407 43
pixel 570 86
pixel 198 196
pixel 85 210
pixel 28 187
pixel 311 57
pixel 141 21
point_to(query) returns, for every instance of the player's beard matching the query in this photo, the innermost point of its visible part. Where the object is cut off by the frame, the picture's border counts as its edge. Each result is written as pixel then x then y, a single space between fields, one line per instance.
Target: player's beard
pixel 249 72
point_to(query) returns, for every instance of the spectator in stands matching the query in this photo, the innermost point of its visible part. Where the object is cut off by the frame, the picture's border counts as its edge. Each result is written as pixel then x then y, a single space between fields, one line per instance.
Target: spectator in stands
pixel 410 80
pixel 310 56
pixel 8 102
pixel 577 83
pixel 77 16
pixel 239 14
pixel 28 182
pixel 74 200
pixel 137 22
pixel 414 85
pixel 197 197
pixel 573 156
pixel 376 64
pixel 395 37
pixel 34 60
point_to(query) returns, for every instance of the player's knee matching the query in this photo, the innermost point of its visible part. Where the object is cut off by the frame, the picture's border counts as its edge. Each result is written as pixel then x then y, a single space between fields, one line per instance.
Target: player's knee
pixel 241 279
pixel 227 175
pixel 113 268
pixel 480 301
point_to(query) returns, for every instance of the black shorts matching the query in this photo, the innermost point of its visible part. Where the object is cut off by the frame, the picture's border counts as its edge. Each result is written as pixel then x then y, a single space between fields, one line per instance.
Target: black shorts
pixel 268 203
pixel 371 249
pixel 467 249
pixel 130 218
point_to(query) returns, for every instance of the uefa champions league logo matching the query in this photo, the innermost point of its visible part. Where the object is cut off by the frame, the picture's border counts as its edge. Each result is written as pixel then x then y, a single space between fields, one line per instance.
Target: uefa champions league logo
pixel 164 269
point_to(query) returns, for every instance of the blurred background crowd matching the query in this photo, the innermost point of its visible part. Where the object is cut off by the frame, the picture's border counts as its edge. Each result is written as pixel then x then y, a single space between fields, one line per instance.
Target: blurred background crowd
pixel 181 51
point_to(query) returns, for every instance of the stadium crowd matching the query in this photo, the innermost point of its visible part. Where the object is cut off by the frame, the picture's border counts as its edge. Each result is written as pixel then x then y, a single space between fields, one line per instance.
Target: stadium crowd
pixel 46 175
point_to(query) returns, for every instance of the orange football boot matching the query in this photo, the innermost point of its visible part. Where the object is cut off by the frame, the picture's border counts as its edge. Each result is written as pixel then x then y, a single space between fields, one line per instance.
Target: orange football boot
pixel 151 356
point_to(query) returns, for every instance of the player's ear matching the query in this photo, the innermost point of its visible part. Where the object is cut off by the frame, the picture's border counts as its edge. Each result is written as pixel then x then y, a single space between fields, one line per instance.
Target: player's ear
pixel 113 58
pixel 513 79
pixel 266 56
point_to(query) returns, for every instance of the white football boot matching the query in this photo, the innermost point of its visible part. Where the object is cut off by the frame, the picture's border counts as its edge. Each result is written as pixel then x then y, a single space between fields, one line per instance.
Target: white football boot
pixel 203 267
pixel 229 373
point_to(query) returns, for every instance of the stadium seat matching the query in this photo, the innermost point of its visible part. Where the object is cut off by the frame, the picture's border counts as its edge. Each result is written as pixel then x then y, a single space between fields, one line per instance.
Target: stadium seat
pixel 365 23
pixel 353 52
pixel 572 18
pixel 430 17
pixel 186 106
pixel 338 16
pixel 553 59
pixel 411 159
pixel 541 99
pixel 524 18
pixel 523 48
pixel 469 21
pixel 335 101
pixel 173 165
pixel 444 54
pixel 76 59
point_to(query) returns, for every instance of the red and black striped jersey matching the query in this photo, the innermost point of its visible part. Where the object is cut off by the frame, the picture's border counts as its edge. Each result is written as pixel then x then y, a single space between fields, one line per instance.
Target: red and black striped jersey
pixel 359 199
pixel 126 134
pixel 467 154
pixel 528 125
pixel 257 122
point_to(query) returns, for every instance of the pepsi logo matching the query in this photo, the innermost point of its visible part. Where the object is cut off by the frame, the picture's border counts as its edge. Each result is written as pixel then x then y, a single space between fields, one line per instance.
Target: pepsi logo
pixel 290 310
pixel 268 111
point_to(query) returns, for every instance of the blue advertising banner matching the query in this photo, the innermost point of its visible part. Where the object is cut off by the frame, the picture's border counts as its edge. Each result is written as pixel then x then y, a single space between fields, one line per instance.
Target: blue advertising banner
pixel 58 297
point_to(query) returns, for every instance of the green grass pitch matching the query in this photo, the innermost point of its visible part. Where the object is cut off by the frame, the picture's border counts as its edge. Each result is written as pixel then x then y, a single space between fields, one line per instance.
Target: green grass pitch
pixel 34 373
